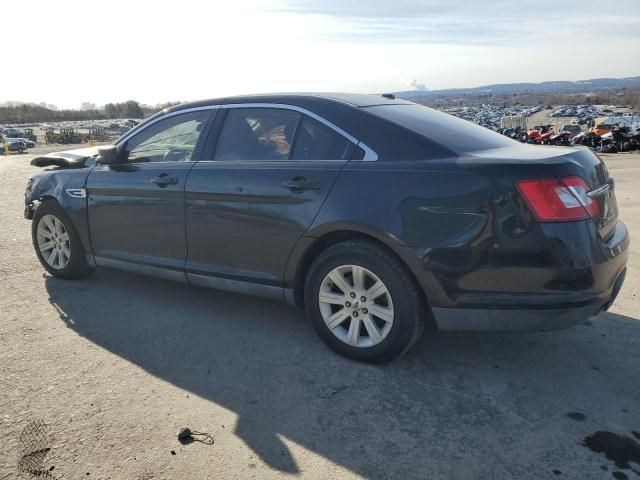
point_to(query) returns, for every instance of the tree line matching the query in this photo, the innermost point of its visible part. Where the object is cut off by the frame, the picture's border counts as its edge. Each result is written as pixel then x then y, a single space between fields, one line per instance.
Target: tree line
pixel 13 112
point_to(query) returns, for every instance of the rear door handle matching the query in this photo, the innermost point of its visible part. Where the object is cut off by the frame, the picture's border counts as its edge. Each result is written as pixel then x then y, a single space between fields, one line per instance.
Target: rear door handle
pixel 164 179
pixel 300 184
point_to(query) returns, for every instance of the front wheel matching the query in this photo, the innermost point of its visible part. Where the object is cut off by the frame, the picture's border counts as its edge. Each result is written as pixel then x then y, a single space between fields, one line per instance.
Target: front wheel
pixel 57 243
pixel 363 303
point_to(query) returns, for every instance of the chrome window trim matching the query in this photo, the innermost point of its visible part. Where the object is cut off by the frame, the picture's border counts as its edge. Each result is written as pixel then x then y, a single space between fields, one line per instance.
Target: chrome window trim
pixel 369 154
pixel 125 139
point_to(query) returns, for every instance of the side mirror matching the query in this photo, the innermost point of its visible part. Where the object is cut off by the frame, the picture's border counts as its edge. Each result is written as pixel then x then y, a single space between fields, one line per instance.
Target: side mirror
pixel 108 155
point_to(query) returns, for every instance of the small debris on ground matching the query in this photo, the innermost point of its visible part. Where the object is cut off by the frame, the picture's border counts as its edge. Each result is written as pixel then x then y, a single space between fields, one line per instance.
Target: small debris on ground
pixel 187 436
pixel 579 416
pixel 330 390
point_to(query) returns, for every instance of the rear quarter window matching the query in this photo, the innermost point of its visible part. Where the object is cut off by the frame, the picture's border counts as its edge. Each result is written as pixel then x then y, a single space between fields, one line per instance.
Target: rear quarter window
pixel 455 134
pixel 315 141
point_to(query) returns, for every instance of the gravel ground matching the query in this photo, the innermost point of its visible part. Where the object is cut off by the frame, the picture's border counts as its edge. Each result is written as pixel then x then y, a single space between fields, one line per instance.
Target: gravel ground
pixel 114 365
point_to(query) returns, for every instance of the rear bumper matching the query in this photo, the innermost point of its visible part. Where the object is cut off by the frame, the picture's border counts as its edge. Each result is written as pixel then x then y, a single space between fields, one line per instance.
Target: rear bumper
pixel 524 320
pixel 483 320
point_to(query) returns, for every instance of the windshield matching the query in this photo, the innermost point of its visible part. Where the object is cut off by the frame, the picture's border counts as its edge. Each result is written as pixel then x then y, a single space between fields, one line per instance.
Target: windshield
pixel 456 134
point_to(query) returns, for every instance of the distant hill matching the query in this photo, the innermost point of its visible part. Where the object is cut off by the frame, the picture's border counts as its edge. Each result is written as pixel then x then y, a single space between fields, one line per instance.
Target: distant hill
pixel 580 86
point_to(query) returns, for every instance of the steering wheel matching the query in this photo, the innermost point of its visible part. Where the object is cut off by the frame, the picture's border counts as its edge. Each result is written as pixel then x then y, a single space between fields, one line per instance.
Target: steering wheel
pixel 178 154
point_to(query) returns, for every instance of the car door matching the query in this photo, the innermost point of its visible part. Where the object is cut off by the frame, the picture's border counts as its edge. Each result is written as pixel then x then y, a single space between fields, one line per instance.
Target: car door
pixel 137 207
pixel 268 174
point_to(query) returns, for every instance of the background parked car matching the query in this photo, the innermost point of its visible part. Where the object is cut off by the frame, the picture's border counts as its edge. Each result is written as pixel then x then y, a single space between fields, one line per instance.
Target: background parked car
pixel 27 143
pixel 572 129
pixel 13 145
pixel 602 129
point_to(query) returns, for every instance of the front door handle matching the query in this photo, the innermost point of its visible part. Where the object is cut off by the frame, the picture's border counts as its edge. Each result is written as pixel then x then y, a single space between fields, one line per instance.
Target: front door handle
pixel 164 179
pixel 300 184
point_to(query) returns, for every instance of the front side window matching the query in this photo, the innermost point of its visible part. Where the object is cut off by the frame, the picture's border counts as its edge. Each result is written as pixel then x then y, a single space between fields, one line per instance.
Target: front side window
pixel 172 139
pixel 257 134
pixel 316 141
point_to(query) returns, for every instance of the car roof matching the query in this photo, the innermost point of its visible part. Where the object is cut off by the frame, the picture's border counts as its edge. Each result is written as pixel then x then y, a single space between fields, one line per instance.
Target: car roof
pixel 356 100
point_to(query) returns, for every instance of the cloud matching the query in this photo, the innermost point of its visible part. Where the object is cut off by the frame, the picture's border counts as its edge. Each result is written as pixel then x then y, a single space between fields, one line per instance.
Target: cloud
pixel 415 85
pixel 463 22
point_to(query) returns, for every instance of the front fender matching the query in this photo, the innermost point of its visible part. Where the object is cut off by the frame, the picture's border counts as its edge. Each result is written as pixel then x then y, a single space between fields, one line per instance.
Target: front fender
pixel 67 187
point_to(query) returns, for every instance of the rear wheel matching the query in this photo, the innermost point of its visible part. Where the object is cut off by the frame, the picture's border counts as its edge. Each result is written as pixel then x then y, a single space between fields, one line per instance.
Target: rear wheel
pixel 57 243
pixel 363 302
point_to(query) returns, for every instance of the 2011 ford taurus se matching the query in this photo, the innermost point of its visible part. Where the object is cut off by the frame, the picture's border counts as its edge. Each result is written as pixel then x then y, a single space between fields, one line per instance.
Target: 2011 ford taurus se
pixel 373 214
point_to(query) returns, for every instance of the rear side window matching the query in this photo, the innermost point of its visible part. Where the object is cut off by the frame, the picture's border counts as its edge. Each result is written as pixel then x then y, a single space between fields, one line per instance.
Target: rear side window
pixel 316 141
pixel 358 153
pixel 459 136
pixel 257 134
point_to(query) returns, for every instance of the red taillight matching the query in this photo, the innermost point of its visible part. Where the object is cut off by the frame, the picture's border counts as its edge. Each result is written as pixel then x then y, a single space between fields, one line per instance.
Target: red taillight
pixel 558 199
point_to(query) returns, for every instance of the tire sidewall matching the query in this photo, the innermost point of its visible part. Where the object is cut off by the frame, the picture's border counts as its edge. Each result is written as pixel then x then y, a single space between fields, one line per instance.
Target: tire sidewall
pixel 77 265
pixel 406 304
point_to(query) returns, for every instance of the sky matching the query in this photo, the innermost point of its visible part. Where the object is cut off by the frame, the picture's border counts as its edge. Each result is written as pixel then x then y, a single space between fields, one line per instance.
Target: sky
pixel 75 51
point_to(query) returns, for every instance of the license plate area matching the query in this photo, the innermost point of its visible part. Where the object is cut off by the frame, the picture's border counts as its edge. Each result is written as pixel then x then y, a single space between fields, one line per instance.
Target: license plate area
pixel 608 213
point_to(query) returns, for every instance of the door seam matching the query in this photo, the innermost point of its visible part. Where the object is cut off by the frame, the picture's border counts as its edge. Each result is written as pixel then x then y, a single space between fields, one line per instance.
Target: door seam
pixel 286 265
pixel 186 237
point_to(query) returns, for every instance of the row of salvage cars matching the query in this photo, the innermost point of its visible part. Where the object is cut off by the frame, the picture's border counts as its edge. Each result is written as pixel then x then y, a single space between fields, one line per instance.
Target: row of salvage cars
pixel 602 138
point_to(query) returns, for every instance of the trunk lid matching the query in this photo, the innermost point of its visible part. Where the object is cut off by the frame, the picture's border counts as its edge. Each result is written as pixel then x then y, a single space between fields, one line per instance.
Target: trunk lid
pixel 517 162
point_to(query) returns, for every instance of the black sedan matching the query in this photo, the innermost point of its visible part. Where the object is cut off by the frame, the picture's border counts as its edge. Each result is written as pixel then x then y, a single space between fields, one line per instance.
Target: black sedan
pixel 376 215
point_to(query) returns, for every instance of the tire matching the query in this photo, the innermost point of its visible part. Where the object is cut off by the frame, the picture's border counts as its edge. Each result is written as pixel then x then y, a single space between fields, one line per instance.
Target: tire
pixel 45 218
pixel 389 338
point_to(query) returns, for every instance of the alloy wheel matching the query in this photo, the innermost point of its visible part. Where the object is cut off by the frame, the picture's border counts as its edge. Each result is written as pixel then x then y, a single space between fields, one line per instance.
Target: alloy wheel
pixel 53 242
pixel 356 306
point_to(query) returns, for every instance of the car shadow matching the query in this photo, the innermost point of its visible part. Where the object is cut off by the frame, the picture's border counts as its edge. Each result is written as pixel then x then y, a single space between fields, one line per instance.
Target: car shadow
pixel 454 404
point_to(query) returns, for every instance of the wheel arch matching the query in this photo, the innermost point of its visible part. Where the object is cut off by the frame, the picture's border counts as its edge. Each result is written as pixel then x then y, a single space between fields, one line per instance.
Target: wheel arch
pixel 46 197
pixel 311 247
pixel 78 263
